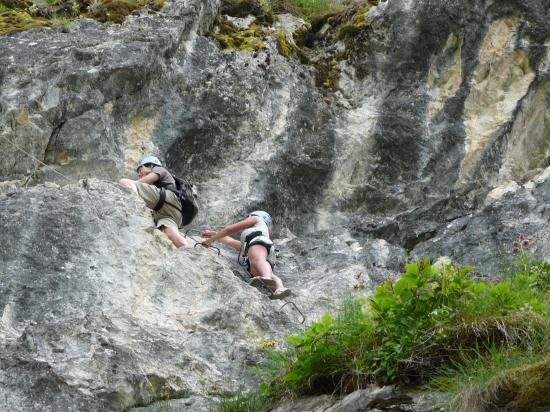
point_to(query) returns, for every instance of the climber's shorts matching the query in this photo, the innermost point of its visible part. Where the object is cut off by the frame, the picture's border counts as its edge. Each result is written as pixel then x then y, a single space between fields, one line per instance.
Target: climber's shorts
pixel 167 216
pixel 265 242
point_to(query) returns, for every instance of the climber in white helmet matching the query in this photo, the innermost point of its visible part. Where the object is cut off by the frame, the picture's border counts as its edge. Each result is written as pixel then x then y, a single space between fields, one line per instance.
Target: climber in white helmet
pixel 255 248
pixel 166 214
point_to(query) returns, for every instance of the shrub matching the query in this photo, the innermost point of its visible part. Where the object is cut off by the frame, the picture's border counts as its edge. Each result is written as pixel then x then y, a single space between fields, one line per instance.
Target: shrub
pixel 435 317
pixel 414 326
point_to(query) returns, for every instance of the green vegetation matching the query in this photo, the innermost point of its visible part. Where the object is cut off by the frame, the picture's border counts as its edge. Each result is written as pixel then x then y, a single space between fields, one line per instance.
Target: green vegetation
pixel 115 11
pixel 311 8
pixel 242 402
pixel 230 37
pixel 502 376
pixel 436 317
pixel 20 15
pixel 61 21
pixel 15 20
pixel 265 10
pixel 284 47
pixel 262 10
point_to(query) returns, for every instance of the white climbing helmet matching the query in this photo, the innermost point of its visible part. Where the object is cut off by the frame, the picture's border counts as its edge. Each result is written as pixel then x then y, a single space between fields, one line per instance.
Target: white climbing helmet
pixel 149 159
pixel 266 217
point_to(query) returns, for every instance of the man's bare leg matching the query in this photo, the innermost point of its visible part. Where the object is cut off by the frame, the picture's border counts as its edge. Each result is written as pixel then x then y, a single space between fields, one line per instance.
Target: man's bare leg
pixel 175 236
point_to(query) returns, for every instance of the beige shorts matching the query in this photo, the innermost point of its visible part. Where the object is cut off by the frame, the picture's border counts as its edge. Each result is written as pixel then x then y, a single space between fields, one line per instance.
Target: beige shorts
pixel 167 215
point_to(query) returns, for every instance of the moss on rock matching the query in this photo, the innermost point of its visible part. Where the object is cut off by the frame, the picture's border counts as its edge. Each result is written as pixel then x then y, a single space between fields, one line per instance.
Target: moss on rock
pixel 13 21
pixel 344 25
pixel 284 47
pixel 243 8
pixel 302 36
pixel 21 15
pixel 327 74
pixel 523 389
pixel 115 11
pixel 230 37
pixel 15 4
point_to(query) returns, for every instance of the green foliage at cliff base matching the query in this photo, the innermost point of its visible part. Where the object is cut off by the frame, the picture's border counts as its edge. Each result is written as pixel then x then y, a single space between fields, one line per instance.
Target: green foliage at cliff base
pixel 431 319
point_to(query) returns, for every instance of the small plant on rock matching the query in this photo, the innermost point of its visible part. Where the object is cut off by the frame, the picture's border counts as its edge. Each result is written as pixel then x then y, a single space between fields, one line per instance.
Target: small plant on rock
pixel 360 281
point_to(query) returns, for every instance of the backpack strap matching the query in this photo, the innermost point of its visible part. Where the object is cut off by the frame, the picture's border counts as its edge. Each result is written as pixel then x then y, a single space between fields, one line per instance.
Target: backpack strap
pixel 173 205
pixel 162 200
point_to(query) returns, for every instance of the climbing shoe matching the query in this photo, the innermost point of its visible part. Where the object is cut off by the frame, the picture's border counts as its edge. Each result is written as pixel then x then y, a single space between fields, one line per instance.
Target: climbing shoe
pixel 281 293
pixel 259 281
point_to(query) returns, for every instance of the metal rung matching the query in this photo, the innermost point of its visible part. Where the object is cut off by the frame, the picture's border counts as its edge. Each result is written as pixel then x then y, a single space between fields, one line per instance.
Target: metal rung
pixel 193 231
pixel 198 242
pixel 211 247
pixel 295 307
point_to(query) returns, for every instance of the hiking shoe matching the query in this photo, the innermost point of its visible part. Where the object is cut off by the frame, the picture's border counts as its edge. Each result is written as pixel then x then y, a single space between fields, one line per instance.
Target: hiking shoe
pixel 281 293
pixel 259 281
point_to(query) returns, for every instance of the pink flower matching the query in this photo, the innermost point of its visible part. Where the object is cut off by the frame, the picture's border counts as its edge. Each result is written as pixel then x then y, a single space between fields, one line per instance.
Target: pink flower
pixel 525 242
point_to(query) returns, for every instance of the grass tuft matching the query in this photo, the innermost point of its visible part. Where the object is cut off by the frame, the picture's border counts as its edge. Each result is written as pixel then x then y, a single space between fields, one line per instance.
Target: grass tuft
pixel 497 379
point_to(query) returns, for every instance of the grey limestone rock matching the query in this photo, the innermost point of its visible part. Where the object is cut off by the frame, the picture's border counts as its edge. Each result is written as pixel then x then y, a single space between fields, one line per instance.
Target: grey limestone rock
pixel 431 144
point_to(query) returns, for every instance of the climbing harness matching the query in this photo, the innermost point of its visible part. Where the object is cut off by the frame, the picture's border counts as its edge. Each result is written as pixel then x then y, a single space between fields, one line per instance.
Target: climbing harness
pixel 254 238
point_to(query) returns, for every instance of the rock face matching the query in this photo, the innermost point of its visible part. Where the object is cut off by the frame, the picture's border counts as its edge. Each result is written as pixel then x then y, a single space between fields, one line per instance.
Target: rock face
pixel 434 142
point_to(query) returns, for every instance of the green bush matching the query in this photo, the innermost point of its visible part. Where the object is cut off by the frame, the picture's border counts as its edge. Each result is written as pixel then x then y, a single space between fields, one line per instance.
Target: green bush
pixel 435 317
pixel 414 326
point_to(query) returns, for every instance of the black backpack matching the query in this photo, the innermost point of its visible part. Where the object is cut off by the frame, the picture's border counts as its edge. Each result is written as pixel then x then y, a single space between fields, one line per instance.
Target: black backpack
pixel 187 196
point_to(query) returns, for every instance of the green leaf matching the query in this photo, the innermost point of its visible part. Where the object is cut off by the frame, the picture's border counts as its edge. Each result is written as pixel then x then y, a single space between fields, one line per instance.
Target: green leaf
pixel 412 268
pixel 296 340
pixel 407 281
pixel 326 320
pixel 406 295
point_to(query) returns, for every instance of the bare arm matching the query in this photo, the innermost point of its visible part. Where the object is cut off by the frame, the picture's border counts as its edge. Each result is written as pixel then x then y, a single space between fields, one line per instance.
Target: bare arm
pixel 149 178
pixel 227 240
pixel 223 235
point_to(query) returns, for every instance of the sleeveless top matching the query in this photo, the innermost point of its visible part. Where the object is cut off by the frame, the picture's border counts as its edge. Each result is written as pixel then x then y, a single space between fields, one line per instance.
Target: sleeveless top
pixel 259 226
